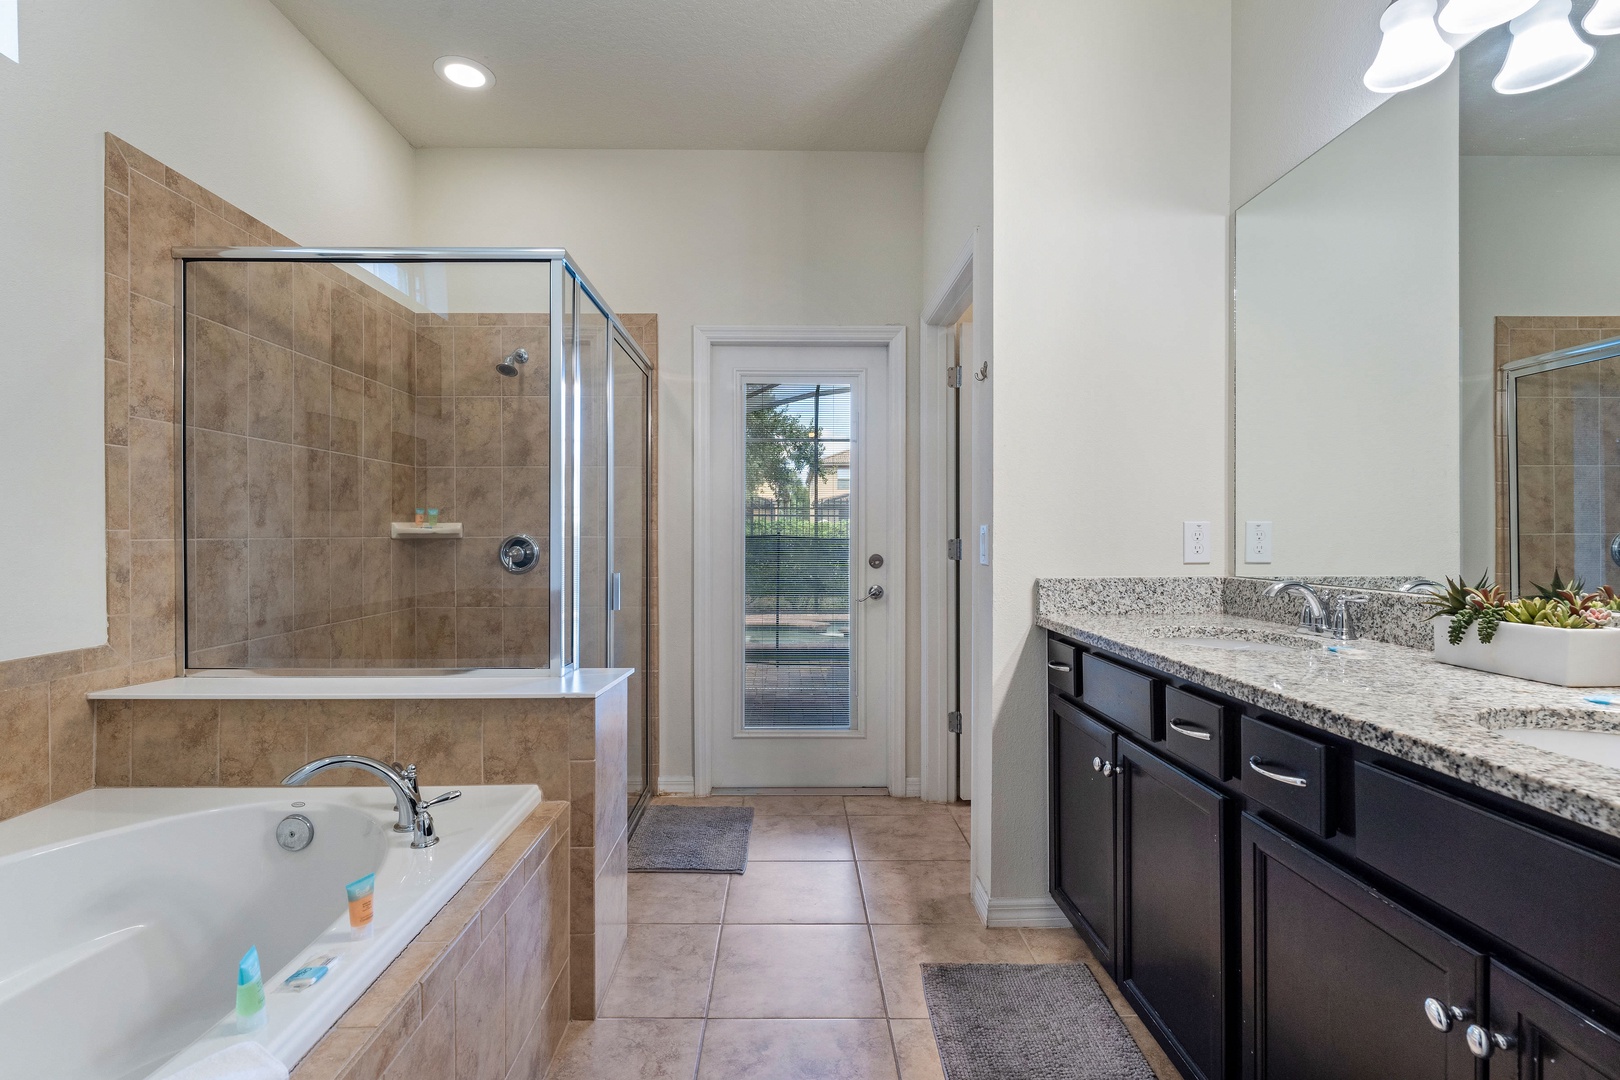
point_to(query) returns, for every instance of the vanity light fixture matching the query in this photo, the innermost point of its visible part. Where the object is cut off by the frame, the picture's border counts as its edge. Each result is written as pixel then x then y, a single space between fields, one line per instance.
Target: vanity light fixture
pixel 1412 52
pixel 1603 19
pixel 1545 50
pixel 465 73
pixel 1473 16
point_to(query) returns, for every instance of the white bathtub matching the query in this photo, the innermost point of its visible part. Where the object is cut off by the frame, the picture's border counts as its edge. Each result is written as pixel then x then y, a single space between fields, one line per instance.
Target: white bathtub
pixel 123 913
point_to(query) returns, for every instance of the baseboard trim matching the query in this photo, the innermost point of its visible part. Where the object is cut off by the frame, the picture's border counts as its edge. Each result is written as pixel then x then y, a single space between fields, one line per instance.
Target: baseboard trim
pixel 1036 914
pixel 676 785
pixel 913 787
pixel 981 901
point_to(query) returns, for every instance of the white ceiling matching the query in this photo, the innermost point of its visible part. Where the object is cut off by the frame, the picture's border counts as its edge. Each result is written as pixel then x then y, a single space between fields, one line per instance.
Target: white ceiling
pixel 650 74
pixel 1580 116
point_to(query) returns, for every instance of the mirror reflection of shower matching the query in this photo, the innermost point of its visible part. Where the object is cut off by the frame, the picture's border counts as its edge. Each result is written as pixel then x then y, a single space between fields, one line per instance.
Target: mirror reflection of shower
pixel 509 366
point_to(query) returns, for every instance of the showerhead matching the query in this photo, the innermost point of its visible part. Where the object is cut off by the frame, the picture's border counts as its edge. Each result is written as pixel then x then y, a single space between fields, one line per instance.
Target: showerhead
pixel 509 366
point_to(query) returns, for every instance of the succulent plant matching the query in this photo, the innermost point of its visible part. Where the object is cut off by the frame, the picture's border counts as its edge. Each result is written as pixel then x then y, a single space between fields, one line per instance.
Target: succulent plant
pixel 1542 611
pixel 1457 595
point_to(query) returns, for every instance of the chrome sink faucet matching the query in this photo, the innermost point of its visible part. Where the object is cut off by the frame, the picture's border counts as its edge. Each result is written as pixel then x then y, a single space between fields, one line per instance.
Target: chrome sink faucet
pixel 413 816
pixel 1313 614
pixel 1344 627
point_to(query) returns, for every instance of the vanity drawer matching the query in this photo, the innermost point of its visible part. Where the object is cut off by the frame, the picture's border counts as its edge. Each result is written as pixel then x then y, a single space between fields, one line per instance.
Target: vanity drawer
pixel 1546 897
pixel 1195 731
pixel 1062 667
pixel 1121 695
pixel 1287 773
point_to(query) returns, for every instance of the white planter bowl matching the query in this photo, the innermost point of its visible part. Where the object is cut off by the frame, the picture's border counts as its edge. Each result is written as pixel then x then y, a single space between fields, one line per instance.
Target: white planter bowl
pixel 1543 653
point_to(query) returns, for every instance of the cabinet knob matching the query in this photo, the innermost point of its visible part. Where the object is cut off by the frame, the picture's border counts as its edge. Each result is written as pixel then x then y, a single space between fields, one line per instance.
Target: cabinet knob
pixel 1482 1044
pixel 1096 764
pixel 1441 1016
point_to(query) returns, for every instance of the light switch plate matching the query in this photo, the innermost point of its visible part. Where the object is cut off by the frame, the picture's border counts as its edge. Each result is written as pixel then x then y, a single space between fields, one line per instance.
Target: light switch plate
pixel 1195 545
pixel 1257 542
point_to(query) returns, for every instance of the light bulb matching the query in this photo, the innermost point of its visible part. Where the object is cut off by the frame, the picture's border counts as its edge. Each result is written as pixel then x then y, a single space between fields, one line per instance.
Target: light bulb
pixel 1545 50
pixel 1473 16
pixel 1412 52
pixel 462 72
pixel 1603 19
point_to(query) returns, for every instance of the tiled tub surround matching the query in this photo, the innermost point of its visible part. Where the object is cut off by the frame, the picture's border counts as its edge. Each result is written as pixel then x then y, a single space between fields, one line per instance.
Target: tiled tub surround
pixel 46 726
pixel 569 739
pixel 483 991
pixel 1398 700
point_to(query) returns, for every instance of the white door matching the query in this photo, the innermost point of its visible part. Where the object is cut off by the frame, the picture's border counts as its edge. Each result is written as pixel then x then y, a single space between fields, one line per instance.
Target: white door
pixel 801 557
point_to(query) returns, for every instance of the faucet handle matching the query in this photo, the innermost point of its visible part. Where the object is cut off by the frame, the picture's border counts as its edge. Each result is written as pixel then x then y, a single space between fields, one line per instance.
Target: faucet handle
pixel 446 797
pixel 1344 620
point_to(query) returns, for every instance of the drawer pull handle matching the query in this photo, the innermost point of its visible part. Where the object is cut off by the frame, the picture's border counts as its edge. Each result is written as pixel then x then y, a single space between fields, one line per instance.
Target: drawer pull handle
pixel 1192 731
pixel 1281 778
pixel 1053 665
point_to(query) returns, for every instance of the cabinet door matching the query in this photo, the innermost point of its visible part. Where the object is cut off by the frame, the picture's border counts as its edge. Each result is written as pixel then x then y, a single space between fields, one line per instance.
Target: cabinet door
pixel 1171 956
pixel 1083 825
pixel 1547 1039
pixel 1336 976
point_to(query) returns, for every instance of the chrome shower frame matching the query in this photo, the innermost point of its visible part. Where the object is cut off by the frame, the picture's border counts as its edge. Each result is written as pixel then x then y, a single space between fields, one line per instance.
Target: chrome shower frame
pixel 566 436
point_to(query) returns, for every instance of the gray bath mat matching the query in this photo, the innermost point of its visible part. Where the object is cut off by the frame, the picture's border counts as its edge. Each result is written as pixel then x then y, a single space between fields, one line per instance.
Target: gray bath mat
pixel 692 839
pixel 1027 1022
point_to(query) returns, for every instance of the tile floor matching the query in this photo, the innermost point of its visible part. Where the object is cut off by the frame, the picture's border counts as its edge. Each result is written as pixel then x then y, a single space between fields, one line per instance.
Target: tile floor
pixel 805 967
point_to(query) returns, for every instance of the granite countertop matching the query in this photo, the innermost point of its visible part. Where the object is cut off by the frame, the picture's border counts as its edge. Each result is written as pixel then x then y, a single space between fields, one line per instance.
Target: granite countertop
pixel 1394 699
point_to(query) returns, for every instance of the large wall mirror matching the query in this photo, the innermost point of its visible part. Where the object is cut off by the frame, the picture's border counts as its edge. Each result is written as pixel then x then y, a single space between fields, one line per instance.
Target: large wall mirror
pixel 1411 397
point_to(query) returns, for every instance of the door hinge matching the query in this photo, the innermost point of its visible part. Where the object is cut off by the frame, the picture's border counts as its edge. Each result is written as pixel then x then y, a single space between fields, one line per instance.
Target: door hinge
pixel 953 377
pixel 953 723
pixel 953 549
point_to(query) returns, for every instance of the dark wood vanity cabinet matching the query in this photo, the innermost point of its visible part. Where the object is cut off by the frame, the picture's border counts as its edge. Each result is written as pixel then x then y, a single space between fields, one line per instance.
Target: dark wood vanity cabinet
pixel 1535 1036
pixel 1172 951
pixel 1336 978
pixel 1084 825
pixel 1346 917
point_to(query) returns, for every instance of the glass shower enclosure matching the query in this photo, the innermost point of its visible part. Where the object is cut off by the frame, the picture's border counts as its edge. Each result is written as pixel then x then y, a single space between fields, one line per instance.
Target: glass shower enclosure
pixel 1561 451
pixel 412 460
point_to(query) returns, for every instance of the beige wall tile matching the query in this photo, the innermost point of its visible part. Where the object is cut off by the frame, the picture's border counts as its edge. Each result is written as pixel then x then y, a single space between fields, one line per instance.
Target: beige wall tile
pixel 159 222
pixel 261 742
pixel 151 479
pixel 350 727
pixel 216 377
pixel 174 744
pixel 443 739
pixel 151 359
pixel 481 1012
pixel 526 743
pixel 271 302
pixel 25 767
pixel 430 1053
pixel 113 739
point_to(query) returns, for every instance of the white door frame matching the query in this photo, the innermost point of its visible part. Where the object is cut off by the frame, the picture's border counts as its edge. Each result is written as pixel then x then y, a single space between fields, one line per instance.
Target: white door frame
pixel 705 666
pixel 939 323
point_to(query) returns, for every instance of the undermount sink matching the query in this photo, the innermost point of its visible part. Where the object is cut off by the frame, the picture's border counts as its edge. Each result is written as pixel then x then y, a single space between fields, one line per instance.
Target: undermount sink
pixel 1230 644
pixel 1598 747
pixel 1233 639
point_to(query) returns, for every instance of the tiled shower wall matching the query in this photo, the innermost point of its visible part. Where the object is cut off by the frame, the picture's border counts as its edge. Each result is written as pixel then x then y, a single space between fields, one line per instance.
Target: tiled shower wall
pixel 1568 424
pixel 47 729
pixel 298 381
pixel 483 456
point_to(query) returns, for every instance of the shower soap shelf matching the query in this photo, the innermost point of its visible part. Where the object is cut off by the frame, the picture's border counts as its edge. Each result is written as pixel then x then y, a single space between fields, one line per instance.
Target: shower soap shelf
pixel 409 530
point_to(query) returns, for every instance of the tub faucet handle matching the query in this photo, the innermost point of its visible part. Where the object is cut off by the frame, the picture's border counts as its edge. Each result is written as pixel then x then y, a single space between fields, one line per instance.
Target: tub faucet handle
pixel 446 797
pixel 409 773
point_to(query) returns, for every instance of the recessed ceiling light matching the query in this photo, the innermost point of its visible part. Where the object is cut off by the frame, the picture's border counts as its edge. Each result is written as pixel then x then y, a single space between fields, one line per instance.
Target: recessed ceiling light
pixel 462 72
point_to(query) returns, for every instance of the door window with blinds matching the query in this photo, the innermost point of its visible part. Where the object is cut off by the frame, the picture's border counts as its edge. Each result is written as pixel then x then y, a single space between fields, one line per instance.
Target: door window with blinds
pixel 797 670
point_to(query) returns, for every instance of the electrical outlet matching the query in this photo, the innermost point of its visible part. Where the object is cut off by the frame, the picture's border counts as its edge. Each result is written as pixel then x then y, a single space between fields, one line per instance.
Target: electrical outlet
pixel 1195 545
pixel 1257 542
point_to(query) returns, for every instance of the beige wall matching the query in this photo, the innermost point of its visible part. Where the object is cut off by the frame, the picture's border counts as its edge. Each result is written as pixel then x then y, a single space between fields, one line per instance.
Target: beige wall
pixel 230 94
pixel 700 237
pixel 1112 176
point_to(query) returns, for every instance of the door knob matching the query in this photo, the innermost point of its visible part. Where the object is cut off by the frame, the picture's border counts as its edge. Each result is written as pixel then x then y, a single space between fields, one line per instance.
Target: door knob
pixel 874 593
